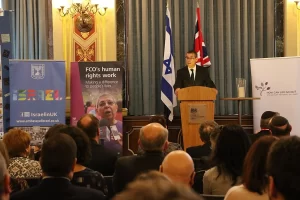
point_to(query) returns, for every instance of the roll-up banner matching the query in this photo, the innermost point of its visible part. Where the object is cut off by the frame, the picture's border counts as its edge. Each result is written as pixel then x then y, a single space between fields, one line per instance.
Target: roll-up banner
pixel 96 88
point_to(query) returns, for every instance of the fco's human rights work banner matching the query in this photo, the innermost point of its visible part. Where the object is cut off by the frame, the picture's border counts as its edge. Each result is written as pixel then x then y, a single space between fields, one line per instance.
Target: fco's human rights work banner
pixel 96 88
pixel 37 92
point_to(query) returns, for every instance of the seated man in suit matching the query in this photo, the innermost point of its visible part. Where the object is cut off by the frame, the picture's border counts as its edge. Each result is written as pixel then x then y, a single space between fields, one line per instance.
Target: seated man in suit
pixel 172 146
pixel 280 126
pixel 58 159
pixel 153 140
pixel 264 125
pixel 179 167
pixel 103 159
pixel 283 169
pixel 192 74
pixel 206 128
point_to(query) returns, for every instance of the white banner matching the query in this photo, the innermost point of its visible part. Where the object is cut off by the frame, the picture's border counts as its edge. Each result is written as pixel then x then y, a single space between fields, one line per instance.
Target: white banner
pixel 277 82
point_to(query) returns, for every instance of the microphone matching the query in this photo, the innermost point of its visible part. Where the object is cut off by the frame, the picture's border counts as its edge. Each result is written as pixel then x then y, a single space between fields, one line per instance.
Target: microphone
pixel 105 130
pixel 115 133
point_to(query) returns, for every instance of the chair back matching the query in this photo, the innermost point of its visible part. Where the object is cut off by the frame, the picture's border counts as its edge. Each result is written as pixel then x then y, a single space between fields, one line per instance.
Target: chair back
pixel 198 181
pixel 110 188
pixel 212 197
pixel 201 163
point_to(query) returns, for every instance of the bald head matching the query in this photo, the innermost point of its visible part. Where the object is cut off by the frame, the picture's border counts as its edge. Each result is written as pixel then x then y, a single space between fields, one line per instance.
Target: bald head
pixel 90 125
pixel 179 167
pixel 153 137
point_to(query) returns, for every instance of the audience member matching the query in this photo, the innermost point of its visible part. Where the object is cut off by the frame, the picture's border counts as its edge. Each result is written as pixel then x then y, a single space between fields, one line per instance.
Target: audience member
pixel 53 130
pixel 171 145
pixel 156 187
pixel 206 128
pixel 103 160
pixel 213 137
pixel 228 156
pixel 283 169
pixel 84 176
pixel 17 143
pixel 179 167
pixel 4 152
pixel 153 140
pixel 58 159
pixel 264 125
pixel 4 178
pixel 254 183
pixel 280 126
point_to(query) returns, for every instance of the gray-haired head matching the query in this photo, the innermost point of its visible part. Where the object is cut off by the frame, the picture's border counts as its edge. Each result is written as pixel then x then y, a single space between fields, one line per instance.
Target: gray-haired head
pixel 205 130
pixel 153 137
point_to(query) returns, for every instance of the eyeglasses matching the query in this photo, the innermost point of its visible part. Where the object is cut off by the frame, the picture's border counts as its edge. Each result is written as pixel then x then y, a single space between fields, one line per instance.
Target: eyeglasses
pixel 103 103
pixel 189 58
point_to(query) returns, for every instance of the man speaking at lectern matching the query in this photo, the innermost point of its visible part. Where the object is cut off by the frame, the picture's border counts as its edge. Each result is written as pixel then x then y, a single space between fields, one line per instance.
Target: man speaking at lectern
pixel 192 74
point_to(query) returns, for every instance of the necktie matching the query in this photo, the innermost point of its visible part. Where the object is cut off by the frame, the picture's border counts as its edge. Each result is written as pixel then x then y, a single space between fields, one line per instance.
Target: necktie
pixel 192 75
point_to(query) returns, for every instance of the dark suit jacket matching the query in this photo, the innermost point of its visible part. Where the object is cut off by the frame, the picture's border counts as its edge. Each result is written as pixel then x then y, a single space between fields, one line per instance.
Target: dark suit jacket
pixel 103 159
pixel 202 78
pixel 128 167
pixel 261 133
pixel 58 189
pixel 199 151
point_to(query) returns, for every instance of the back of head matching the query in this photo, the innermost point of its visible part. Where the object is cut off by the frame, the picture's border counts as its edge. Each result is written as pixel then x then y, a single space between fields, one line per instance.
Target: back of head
pixel 17 142
pixel 283 167
pixel 82 142
pixel 179 167
pixel 153 137
pixel 89 124
pixel 231 148
pixel 280 126
pixel 266 117
pixel 254 169
pixel 157 189
pixel 158 119
pixel 58 156
pixel 205 130
pixel 52 131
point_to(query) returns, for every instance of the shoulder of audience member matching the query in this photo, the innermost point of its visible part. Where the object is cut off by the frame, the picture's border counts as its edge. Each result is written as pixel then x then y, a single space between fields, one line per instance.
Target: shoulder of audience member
pixel 89 193
pixel 234 193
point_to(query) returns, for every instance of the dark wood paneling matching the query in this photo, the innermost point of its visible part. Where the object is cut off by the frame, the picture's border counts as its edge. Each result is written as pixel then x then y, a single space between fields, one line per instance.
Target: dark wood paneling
pixel 132 125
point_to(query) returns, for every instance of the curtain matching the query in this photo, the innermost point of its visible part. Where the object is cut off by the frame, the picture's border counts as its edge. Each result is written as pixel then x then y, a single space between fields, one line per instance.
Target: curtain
pixel 30 28
pixel 234 32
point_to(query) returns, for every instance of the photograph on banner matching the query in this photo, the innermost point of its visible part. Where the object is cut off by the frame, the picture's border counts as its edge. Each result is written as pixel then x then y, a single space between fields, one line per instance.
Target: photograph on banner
pixel 37 134
pixel 97 87
pixel 37 93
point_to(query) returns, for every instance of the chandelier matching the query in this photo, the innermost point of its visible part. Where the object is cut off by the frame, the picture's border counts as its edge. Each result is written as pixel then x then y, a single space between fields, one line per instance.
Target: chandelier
pixel 82 7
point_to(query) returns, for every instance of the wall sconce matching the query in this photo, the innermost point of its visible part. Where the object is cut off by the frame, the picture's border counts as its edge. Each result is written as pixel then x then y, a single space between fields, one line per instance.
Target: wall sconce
pixel 82 9
pixel 297 2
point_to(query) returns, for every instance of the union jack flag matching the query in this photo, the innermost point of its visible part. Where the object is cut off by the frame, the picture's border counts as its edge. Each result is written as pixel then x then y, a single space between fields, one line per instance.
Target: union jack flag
pixel 199 45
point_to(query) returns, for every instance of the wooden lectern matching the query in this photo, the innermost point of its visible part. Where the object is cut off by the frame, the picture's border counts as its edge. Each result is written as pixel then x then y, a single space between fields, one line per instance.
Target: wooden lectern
pixel 196 105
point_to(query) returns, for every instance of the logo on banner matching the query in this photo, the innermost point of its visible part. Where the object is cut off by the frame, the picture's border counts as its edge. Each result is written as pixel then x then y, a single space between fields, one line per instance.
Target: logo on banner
pixel 263 87
pixel 37 71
